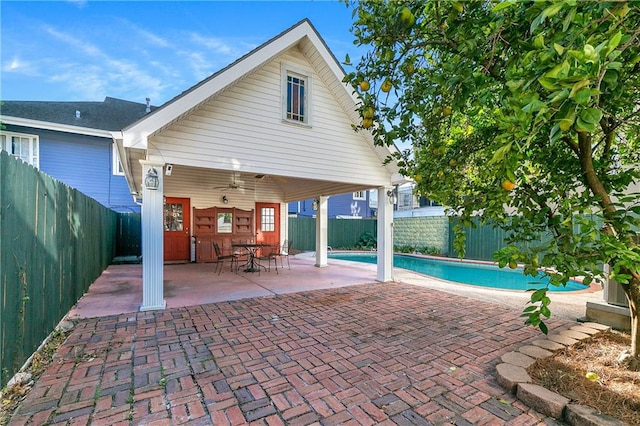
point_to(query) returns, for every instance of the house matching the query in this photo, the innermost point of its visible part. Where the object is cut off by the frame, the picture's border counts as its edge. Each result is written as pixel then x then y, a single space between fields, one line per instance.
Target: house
pixel 353 205
pixel 53 136
pixel 219 162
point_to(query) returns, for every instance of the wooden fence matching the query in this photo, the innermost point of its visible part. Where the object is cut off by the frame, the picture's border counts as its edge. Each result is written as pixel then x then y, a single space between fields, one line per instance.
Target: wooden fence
pixel 129 235
pixel 343 233
pixel 54 242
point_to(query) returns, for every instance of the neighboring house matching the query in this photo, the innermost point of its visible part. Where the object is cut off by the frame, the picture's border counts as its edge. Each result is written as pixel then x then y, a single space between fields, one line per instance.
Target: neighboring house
pixel 411 205
pixel 220 162
pixel 353 205
pixel 71 141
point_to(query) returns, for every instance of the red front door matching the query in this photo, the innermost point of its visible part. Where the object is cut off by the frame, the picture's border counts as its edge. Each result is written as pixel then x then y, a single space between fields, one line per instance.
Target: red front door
pixel 177 220
pixel 268 223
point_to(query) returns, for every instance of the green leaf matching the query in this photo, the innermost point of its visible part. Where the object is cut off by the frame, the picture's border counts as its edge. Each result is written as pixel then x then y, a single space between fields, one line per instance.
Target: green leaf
pixel 582 126
pixel 552 10
pixel 614 42
pixel 614 65
pixel 591 115
pixel 538 295
pixel 577 86
pixel 559 96
pixel 545 311
pixel 558 48
pixel 548 83
pixel 500 153
pixel 583 96
pixel 590 53
pixel 566 122
pixel 502 5
pixel 347 60
pixel 555 133
pixel 543 327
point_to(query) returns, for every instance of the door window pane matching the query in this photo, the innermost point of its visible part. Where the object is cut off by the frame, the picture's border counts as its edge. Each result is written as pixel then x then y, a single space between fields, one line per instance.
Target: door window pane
pixel 173 217
pixel 267 219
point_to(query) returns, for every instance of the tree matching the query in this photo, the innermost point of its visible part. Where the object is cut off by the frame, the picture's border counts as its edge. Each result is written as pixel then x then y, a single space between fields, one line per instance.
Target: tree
pixel 525 114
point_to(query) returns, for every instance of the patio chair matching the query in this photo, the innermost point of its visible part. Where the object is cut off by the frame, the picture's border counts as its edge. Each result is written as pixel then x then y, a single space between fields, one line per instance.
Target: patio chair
pixel 220 258
pixel 284 252
pixel 267 254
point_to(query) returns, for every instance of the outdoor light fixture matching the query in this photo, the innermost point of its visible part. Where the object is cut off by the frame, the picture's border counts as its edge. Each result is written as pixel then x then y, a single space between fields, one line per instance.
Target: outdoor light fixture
pixel 225 200
pixel 152 181
pixel 314 204
pixel 393 196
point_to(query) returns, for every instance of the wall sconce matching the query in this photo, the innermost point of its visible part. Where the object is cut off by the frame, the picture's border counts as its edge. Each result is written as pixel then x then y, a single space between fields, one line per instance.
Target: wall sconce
pixel 225 200
pixel 393 196
pixel 151 180
pixel 314 204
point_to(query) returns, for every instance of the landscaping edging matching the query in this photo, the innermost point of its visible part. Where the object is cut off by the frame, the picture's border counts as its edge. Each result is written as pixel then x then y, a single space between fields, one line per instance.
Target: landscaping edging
pixel 512 375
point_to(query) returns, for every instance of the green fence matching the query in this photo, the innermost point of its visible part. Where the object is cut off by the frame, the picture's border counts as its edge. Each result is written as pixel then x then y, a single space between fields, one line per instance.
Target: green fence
pixel 54 242
pixel 129 234
pixel 481 242
pixel 434 232
pixel 342 233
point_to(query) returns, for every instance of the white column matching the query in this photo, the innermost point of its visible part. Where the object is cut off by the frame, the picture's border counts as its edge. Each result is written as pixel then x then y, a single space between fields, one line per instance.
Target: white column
pixel 152 240
pixel 322 239
pixel 385 236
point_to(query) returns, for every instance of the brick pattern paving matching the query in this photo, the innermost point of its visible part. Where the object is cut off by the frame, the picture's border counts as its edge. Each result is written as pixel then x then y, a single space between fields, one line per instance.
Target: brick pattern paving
pixel 363 355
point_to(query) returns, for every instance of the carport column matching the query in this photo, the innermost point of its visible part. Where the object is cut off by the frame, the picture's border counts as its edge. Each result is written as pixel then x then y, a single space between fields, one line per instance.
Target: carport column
pixel 152 238
pixel 321 232
pixel 385 235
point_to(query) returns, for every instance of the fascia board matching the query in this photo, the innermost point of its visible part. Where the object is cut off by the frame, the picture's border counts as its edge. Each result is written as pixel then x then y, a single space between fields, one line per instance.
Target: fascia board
pixel 46 125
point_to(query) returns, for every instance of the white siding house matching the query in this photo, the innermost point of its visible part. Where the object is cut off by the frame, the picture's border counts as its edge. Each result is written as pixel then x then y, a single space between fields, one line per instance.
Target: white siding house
pixel 235 135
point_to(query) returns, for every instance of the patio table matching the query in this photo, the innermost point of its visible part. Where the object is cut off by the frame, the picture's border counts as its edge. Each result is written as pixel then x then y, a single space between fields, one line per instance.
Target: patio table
pixel 252 264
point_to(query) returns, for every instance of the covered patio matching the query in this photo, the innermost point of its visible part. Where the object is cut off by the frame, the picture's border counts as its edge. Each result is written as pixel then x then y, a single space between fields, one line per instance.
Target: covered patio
pixel 119 289
pixel 220 162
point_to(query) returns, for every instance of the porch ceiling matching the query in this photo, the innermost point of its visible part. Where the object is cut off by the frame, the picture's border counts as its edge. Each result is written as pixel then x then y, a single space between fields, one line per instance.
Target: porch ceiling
pixel 256 184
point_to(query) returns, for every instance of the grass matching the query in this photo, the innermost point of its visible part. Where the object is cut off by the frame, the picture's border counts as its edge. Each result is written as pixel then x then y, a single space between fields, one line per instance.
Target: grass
pixel 613 390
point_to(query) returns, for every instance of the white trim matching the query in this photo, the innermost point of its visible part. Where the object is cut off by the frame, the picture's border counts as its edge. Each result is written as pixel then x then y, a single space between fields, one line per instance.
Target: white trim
pixel 116 164
pixel 287 70
pixel 34 146
pixel 36 124
pixel 362 197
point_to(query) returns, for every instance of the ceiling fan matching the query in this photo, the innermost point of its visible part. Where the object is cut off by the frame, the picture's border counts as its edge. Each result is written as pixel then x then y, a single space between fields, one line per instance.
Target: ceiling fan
pixel 236 184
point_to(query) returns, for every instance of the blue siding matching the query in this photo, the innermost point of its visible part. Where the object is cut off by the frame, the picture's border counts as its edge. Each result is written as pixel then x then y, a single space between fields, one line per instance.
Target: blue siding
pixel 339 205
pixel 84 163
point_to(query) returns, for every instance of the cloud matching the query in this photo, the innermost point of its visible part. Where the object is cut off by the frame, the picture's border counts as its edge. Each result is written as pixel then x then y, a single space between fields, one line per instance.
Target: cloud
pixel 79 3
pixel 217 45
pixel 85 47
pixel 94 73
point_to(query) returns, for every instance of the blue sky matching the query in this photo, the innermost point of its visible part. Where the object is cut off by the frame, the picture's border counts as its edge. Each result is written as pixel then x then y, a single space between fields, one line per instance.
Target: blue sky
pixel 86 50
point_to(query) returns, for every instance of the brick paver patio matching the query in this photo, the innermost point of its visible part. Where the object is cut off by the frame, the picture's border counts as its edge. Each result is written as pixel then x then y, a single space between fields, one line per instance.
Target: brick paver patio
pixel 382 353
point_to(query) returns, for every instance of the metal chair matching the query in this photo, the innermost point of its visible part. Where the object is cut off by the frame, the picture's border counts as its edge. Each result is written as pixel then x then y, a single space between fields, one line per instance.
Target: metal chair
pixel 222 257
pixel 284 252
pixel 267 254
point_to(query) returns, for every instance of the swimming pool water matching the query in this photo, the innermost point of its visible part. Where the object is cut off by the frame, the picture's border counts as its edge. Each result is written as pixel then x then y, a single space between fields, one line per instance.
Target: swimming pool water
pixel 465 273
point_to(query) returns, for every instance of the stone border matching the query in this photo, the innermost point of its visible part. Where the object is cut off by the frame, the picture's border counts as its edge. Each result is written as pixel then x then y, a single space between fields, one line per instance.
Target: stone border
pixel 512 375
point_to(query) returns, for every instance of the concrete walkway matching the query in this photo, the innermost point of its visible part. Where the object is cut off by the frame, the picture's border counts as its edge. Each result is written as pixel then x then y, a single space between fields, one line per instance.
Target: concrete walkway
pixel 352 353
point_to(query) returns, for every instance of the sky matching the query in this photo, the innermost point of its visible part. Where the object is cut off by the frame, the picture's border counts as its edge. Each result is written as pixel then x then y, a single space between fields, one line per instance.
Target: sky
pixel 131 50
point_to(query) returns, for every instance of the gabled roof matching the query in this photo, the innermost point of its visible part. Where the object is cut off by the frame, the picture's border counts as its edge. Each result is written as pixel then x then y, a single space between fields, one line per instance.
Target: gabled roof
pixel 303 34
pixel 110 115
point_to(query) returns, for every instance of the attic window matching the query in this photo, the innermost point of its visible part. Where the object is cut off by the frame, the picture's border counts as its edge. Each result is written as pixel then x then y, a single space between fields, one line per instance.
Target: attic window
pixel 296 94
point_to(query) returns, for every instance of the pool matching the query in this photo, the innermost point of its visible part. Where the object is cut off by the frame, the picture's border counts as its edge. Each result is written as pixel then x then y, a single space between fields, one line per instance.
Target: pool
pixel 465 273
